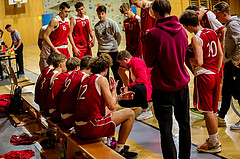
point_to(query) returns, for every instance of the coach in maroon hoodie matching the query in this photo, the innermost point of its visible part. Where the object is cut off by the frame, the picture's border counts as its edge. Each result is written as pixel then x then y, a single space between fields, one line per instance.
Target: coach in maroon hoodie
pixel 166 48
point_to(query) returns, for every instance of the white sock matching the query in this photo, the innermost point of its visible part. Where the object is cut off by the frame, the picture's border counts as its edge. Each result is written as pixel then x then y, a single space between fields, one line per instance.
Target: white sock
pixel 119 147
pixel 219 104
pixel 214 138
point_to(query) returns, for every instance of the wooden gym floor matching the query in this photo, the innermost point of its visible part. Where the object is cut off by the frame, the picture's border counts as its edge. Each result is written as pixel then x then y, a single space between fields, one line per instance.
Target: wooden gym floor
pixel 144 137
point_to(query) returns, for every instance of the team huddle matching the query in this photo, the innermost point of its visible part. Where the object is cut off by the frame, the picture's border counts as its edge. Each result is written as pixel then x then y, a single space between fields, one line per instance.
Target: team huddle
pixel 77 91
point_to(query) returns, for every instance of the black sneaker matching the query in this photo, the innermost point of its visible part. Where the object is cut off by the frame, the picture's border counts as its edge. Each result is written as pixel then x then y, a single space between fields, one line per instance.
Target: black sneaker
pixel 128 155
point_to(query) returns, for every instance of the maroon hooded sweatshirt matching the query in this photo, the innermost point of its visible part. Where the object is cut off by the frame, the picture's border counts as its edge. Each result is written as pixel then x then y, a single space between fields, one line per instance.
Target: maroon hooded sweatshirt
pixel 166 48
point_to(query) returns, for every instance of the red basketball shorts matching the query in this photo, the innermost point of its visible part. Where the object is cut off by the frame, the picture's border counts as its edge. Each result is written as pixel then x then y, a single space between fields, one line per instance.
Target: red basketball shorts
pixel 208 92
pixel 103 127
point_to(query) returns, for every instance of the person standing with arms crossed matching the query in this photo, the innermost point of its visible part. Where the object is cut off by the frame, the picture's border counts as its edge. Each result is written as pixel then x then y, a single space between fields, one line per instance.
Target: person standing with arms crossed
pixel 80 30
pixel 18 47
pixel 167 45
pixel 57 31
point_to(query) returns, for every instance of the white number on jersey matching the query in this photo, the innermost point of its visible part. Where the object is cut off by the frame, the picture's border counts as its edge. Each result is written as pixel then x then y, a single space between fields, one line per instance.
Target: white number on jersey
pixel 67 84
pixel 43 81
pixel 82 89
pixel 212 49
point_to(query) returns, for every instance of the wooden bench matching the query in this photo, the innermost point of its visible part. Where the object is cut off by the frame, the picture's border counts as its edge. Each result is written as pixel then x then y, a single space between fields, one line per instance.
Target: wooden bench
pixel 88 148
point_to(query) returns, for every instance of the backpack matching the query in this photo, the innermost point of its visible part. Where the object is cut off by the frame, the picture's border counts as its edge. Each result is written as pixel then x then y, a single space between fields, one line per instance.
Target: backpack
pixel 16 104
pixel 5 100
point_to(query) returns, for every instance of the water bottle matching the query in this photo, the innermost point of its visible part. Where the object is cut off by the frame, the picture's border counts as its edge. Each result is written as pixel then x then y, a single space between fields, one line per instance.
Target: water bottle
pixel 61 149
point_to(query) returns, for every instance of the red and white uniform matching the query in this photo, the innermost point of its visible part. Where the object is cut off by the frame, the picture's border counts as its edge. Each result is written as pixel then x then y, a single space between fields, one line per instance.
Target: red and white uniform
pixel 208 78
pixel 133 37
pixel 67 97
pixel 81 35
pixel 42 88
pixel 147 22
pixel 91 121
pixel 56 84
pixel 60 34
pixel 209 21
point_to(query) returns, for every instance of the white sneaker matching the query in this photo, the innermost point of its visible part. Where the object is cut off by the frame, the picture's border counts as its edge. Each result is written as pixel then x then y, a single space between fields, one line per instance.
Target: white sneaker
pixel 146 114
pixel 236 126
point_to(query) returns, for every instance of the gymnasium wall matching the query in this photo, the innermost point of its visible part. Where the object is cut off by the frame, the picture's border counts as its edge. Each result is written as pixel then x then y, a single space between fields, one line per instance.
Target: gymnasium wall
pixel 25 19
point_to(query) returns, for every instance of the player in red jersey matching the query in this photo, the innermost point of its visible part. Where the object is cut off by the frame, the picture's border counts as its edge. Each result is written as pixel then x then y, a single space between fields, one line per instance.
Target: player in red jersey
pixel 80 30
pixel 94 95
pixel 68 94
pixel 57 84
pixel 132 28
pixel 57 31
pixel 206 63
pixel 208 19
pixel 42 87
pixel 147 22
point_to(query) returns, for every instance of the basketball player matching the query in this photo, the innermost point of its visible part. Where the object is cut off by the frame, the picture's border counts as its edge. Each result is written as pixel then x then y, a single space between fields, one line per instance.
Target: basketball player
pixel 57 83
pixel 95 92
pixel 206 63
pixel 147 22
pixel 68 94
pixel 80 30
pixel 57 31
pixel 132 28
pixel 42 87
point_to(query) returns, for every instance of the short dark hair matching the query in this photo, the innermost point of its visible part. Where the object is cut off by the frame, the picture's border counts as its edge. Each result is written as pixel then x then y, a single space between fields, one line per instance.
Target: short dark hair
pixel 192 7
pixel 163 7
pixel 1 33
pixel 123 54
pixel 100 63
pixel 79 5
pixel 64 5
pixel 101 8
pixel 72 63
pixel 189 17
pixel 59 59
pixel 52 58
pixel 84 62
pixel 8 26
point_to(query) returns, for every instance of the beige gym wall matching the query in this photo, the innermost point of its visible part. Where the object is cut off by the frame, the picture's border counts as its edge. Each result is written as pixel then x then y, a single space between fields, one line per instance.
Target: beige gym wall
pixel 25 19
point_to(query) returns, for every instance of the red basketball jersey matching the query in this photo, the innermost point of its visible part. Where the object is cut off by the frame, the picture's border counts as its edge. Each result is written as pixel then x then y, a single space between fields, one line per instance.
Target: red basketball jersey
pixel 90 103
pixel 56 85
pixel 81 30
pixel 132 31
pixel 209 21
pixel 147 22
pixel 42 88
pixel 210 52
pixel 68 94
pixel 59 35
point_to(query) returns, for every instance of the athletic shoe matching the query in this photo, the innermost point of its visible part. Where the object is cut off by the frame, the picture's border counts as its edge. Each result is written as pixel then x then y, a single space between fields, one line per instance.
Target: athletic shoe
pixel 195 110
pixel 221 122
pixel 209 147
pixel 128 155
pixel 146 114
pixel 236 126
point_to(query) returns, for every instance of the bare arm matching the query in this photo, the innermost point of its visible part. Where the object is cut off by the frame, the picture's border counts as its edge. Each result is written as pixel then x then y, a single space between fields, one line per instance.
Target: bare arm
pixel 109 97
pixel 76 52
pixel 220 56
pixel 197 60
pixel 91 32
pixel 222 31
pixel 53 24
pixel 123 75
